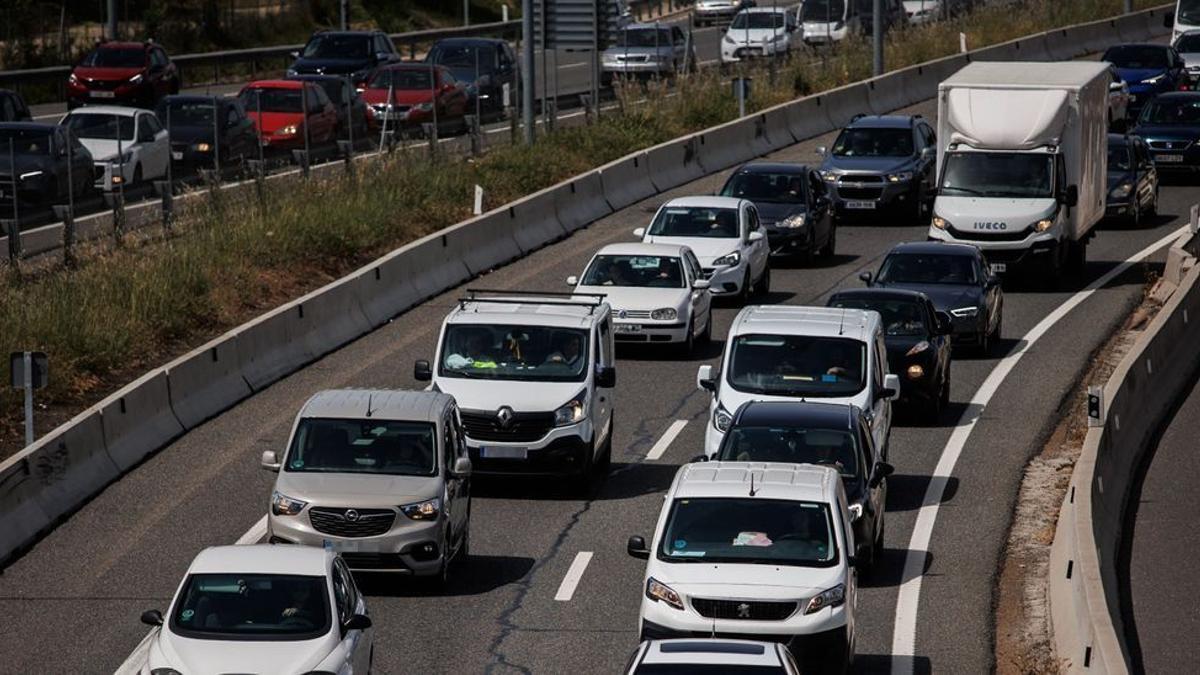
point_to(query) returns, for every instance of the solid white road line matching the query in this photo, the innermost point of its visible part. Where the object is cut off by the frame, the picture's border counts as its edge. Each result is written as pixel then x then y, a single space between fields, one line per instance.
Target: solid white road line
pixel 904 633
pixel 665 442
pixel 256 532
pixel 574 574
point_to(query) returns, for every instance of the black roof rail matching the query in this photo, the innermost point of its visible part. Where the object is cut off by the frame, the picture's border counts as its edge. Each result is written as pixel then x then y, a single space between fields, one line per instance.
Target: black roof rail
pixel 561 298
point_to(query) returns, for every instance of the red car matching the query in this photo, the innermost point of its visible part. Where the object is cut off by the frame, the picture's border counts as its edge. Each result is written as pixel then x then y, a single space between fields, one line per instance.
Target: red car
pixel 130 73
pixel 282 124
pixel 413 88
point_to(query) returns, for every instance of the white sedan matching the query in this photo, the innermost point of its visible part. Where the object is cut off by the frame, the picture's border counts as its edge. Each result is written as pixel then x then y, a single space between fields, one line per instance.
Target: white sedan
pixel 922 11
pixel 761 31
pixel 657 292
pixel 128 145
pixel 262 609
pixel 726 236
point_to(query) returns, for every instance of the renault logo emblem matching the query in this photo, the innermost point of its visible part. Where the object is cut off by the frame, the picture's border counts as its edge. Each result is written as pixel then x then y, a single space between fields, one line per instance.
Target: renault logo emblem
pixel 504 415
pixel 743 611
pixel 351 516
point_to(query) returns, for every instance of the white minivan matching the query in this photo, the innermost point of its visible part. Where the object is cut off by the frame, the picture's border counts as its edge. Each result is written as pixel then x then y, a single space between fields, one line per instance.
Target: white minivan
pixel 781 353
pixel 757 551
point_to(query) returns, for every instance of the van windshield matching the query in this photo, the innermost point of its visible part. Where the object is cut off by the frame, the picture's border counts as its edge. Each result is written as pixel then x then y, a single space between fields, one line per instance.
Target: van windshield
pixel 363 446
pixel 1017 175
pixel 797 365
pixel 500 352
pixel 749 530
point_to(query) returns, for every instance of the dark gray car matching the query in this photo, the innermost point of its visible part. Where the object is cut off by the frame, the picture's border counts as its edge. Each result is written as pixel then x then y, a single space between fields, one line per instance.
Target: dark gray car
pixel 881 163
pixel 792 205
pixel 34 160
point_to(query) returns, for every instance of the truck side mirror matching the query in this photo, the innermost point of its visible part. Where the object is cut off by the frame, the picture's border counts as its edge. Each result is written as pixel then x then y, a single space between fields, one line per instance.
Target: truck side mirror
pixel 636 547
pixel 422 372
pixel 865 277
pixel 704 378
pixel 606 377
pixel 270 460
pixel 1169 20
pixel 945 325
pixel 1071 197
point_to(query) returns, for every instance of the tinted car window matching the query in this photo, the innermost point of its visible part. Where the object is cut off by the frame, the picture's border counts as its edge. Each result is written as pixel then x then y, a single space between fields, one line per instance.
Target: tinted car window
pixel 1137 57
pixel 115 58
pixel 758 21
pixel 868 142
pixel 1119 158
pixel 822 10
pixel 760 186
pixel 649 271
pixel 25 141
pixel 1172 111
pixel 749 530
pixel 101 127
pixel 836 449
pixel 272 100
pixel 187 113
pixel 644 37
pixel 797 365
pixel 920 268
pixel 354 446
pixel 1188 43
pixel 262 606
pixel 337 47
pixel 401 79
pixel 684 221
pixel 901 316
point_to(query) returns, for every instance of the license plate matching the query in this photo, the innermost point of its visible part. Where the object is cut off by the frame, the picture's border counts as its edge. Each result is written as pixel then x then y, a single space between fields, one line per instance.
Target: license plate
pixel 998 268
pixel 627 328
pixel 1168 158
pixel 177 156
pixel 354 546
pixel 504 453
pixel 860 205
pixel 102 94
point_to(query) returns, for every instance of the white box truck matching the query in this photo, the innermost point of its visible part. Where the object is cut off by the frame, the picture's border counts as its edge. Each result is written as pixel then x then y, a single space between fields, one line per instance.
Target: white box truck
pixel 1022 161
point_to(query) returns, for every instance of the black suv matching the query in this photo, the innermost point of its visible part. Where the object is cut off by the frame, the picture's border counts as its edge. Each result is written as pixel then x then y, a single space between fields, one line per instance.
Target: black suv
pixel 881 163
pixel 355 53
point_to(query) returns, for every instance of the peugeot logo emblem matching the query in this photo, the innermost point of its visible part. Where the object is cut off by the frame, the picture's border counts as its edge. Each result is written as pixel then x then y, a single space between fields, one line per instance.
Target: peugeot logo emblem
pixel 351 516
pixel 743 611
pixel 504 415
pixel 621 314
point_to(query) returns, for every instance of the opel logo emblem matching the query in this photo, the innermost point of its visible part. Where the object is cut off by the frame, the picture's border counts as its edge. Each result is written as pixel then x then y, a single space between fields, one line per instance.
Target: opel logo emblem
pixel 351 515
pixel 743 611
pixel 504 415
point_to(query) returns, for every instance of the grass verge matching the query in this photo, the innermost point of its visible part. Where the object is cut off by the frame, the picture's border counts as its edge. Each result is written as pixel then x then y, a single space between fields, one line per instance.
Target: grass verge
pixel 128 309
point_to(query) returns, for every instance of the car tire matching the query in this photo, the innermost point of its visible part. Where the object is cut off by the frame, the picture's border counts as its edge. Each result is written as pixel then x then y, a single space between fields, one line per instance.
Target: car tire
pixel 763 288
pixel 1136 219
pixel 689 342
pixel 944 394
pixel 1152 210
pixel 830 249
pixel 605 462
pixel 743 297
pixel 442 579
pixel 137 176
pixel 706 336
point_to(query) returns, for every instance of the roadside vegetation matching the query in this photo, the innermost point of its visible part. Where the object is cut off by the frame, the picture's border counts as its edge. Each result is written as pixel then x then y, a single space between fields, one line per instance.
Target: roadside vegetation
pixel 126 309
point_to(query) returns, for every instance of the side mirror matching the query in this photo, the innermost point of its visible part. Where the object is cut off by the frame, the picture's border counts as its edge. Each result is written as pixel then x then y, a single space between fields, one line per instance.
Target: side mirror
pixel 891 387
pixel 270 460
pixel 866 278
pixel 606 377
pixel 697 459
pixel 462 467
pixel 357 622
pixel 1169 20
pixel 421 371
pixel 927 152
pixel 992 281
pixel 636 547
pixel 943 323
pixel 701 284
pixel 1071 196
pixel 755 236
pixel 853 561
pixel 152 617
pixel 639 232
pixel 822 151
pixel 572 280
pixel 1116 86
pixel 294 55
pixel 882 470
pixel 704 378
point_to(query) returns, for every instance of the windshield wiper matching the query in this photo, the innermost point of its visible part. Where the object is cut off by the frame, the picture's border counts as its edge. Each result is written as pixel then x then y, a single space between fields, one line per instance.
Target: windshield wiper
pixel 970 191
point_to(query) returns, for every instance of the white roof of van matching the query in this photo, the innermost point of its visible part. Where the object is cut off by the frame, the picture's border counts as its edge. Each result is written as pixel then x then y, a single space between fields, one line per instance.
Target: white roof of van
pixel 857 324
pixel 1031 74
pixel 527 310
pixel 384 404
pixel 772 480
pixel 712 651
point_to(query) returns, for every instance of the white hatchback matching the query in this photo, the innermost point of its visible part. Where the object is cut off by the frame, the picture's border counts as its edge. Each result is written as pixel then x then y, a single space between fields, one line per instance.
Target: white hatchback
pixel 128 145
pixel 657 292
pixel 708 655
pixel 747 549
pixel 757 32
pixel 262 609
pixel 726 236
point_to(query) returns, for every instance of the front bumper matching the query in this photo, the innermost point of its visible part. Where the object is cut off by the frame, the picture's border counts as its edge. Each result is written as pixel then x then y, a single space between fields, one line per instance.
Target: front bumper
pixel 865 198
pixel 1184 160
pixel 726 280
pixel 1119 209
pixel 1033 250
pixel 611 68
pixel 648 330
pixel 919 390
pixel 790 240
pixel 409 547
pixel 121 94
pixel 563 451
pixel 661 620
pixel 737 52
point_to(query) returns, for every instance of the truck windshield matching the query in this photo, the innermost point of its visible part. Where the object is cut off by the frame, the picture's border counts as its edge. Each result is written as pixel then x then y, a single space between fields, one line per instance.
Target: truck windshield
pixel 1188 12
pixel 749 530
pixel 797 365
pixel 998 174
pixel 387 447
pixel 500 352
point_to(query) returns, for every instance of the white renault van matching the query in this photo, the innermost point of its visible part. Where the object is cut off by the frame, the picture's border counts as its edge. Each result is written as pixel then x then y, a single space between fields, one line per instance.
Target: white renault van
pixel 534 378
pixel 782 353
pixel 757 551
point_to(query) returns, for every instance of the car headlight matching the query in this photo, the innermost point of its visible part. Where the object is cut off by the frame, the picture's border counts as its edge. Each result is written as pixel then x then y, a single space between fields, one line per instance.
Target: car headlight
pixel 656 590
pixel 73 78
pixel 426 510
pixel 828 176
pixel 135 79
pixel 728 260
pixel 1043 224
pixel 30 174
pixel 124 158
pixel 915 372
pixel 722 419
pixel 900 177
pixel 283 505
pixel 573 411
pixel 292 72
pixel 610 59
pixel 729 40
pixel 664 314
pixel 793 221
pixel 830 598
pixel 1154 80
pixel 940 223
pixel 964 312
pixel 1121 191
pixel 289 130
pixel 856 511
pixel 918 348
pixel 202 147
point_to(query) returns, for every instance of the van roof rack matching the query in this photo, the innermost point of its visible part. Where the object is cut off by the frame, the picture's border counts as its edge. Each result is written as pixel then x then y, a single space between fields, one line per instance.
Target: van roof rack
pixel 590 300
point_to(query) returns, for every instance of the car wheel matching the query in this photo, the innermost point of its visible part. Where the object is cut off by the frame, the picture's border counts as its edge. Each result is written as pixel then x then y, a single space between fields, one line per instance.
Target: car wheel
pixel 442 579
pixel 744 292
pixel 933 408
pixel 582 483
pixel 706 336
pixel 830 249
pixel 1136 218
pixel 763 288
pixel 137 175
pixel 605 462
pixel 944 394
pixel 689 341
pixel 1152 209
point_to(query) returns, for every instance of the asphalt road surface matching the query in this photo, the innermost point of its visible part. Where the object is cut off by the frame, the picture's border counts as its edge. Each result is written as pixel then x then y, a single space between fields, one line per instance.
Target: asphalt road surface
pixel 1162 565
pixel 76 596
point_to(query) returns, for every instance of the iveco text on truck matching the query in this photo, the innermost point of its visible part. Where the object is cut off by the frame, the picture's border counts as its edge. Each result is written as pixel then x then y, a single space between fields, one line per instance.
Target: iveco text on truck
pixel 1021 162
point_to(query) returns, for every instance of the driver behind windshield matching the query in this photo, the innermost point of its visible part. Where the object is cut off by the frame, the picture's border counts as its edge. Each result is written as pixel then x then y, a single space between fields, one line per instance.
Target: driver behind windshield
pixel 568 350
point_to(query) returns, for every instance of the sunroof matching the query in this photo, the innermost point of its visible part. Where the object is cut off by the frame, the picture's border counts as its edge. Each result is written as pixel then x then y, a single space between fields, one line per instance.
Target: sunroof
pixel 711 647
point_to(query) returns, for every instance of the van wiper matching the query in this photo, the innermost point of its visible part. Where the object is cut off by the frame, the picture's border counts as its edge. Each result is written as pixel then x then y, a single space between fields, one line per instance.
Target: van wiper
pixel 970 191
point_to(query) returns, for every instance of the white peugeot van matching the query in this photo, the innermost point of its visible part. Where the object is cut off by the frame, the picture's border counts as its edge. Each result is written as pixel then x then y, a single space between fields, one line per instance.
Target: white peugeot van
pixel 757 551
pixel 781 353
pixel 534 378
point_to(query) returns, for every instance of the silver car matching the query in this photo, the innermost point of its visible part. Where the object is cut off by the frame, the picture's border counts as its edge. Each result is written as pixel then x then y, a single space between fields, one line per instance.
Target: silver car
pixel 709 12
pixel 647 49
pixel 381 477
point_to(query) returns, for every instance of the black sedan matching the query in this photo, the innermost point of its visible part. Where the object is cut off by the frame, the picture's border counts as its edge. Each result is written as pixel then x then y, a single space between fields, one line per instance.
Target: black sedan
pixel 484 66
pixel 836 435
pixel 1170 125
pixel 206 130
pixel 1132 179
pixel 12 107
pixel 918 343
pixel 355 53
pixel 792 205
pixel 39 163
pixel 351 109
pixel 956 278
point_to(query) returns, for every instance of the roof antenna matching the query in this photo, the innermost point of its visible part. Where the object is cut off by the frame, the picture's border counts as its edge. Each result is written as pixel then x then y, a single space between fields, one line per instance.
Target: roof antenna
pixel 752 490
pixel 842 321
pixel 369 399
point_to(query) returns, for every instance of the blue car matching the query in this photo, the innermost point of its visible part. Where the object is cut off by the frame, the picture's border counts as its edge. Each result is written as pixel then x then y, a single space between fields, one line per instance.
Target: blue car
pixel 1170 125
pixel 1148 69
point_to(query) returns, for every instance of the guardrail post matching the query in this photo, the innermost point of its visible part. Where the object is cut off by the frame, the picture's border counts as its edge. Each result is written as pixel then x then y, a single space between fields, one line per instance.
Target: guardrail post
pixel 430 131
pixel 259 171
pixel 301 159
pixel 116 202
pixel 514 125
pixel 585 101
pixel 473 132
pixel 64 213
pixel 14 240
pixel 165 191
pixel 347 150
pixel 551 113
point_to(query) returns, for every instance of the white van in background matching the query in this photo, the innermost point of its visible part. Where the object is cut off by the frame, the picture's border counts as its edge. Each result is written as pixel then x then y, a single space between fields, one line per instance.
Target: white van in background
pixel 829 21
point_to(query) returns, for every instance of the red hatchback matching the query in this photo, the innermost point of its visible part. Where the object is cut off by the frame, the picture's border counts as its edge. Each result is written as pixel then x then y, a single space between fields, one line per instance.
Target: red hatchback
pixel 129 73
pixel 282 124
pixel 413 89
